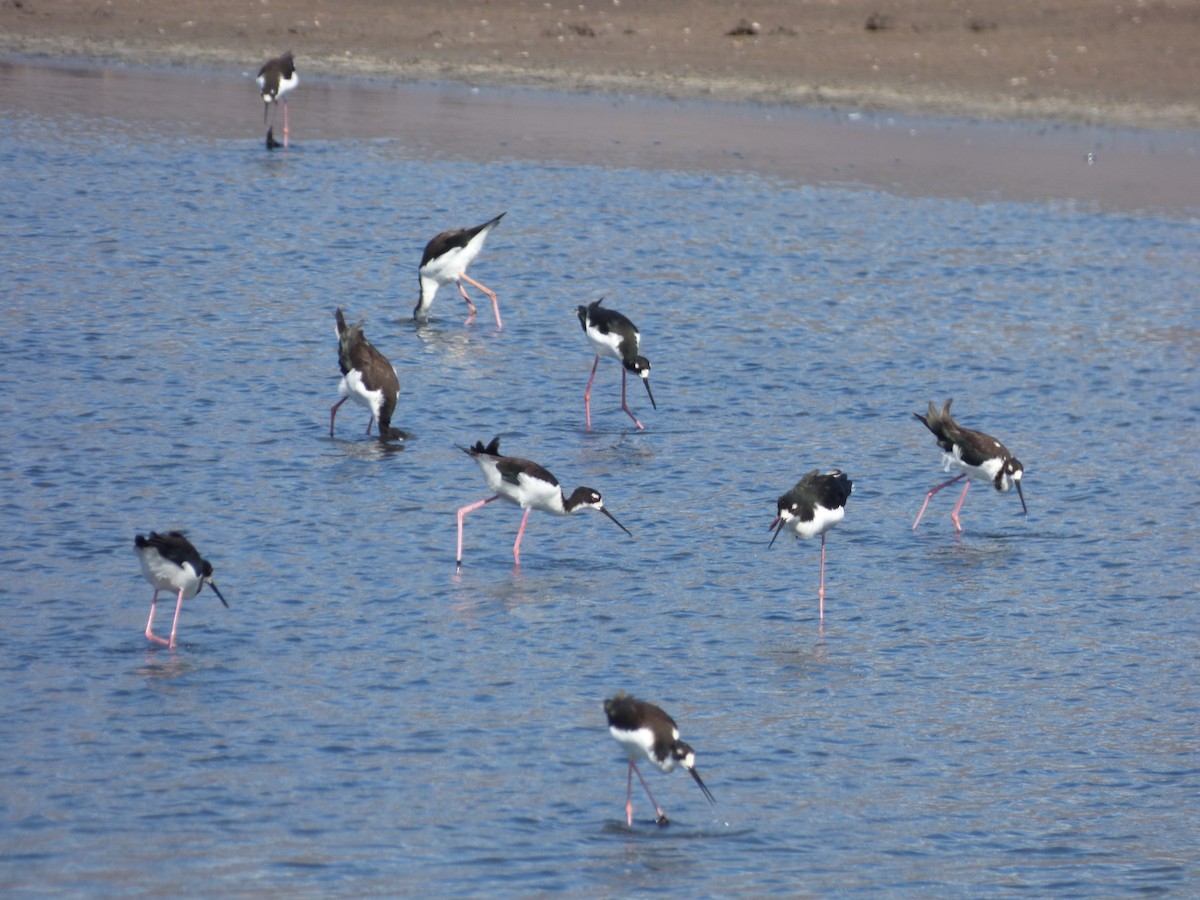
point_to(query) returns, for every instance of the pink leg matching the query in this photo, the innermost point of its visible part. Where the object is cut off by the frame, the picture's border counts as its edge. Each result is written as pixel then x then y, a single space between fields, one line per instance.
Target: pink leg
pixel 587 394
pixel 821 592
pixel 629 796
pixel 462 512
pixel 929 496
pixel 662 816
pixel 486 290
pixel 624 405
pixel 333 414
pixel 962 498
pixel 370 422
pixel 285 125
pixel 150 635
pixel 175 621
pixel 471 306
pixel 520 532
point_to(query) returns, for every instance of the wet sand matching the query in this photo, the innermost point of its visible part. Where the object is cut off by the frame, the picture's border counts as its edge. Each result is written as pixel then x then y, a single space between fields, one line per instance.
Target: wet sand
pixel 1114 168
pixel 1133 62
pixel 445 84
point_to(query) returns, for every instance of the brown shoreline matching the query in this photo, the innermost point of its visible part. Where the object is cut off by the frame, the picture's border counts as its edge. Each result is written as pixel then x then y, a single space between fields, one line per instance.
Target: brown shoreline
pixel 1074 61
pixel 1130 169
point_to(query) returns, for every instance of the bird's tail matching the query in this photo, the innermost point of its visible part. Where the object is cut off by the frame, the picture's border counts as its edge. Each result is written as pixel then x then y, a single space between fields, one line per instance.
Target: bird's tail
pixel 938 422
pixel 492 449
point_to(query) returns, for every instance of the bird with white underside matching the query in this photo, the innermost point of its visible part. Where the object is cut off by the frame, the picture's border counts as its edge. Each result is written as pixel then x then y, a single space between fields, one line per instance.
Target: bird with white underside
pixel 646 732
pixel 976 456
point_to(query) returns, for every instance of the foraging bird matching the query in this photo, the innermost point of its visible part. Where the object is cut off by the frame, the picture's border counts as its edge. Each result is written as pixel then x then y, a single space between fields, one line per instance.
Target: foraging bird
pixel 527 485
pixel 275 78
pixel 171 563
pixel 645 731
pixel 445 262
pixel 978 456
pixel 812 507
pixel 367 378
pixel 613 335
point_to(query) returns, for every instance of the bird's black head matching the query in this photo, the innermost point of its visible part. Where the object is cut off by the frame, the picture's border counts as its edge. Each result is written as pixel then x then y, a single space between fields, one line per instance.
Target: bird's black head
pixel 640 366
pixel 684 754
pixel 686 757
pixel 589 498
pixel 786 508
pixel 206 576
pixel 1010 473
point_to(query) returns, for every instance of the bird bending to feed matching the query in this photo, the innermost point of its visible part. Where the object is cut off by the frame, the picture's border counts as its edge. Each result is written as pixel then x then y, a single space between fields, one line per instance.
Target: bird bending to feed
pixel 171 563
pixel 527 485
pixel 445 262
pixel 976 455
pixel 613 335
pixel 812 507
pixel 276 77
pixel 367 378
pixel 644 731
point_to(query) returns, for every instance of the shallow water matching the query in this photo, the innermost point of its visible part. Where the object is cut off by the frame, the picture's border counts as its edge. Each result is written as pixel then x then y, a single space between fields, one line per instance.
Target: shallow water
pixel 1006 712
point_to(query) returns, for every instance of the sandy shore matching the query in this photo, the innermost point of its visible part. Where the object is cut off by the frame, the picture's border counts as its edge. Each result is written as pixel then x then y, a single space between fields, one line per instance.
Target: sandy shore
pixel 1128 62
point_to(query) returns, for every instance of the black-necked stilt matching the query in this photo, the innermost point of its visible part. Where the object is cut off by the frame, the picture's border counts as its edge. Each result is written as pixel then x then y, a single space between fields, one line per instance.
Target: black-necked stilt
pixel 275 78
pixel 527 485
pixel 978 456
pixel 367 378
pixel 445 262
pixel 812 507
pixel 171 563
pixel 645 731
pixel 613 335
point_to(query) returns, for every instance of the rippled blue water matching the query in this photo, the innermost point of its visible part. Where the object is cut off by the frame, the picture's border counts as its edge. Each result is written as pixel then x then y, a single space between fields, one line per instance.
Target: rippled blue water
pixel 1009 712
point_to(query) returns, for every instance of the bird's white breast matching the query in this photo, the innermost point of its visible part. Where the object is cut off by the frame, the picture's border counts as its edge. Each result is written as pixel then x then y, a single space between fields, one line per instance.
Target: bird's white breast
pixel 986 472
pixel 352 386
pixel 533 493
pixel 447 268
pixel 822 520
pixel 639 744
pixel 165 575
pixel 286 84
pixel 605 344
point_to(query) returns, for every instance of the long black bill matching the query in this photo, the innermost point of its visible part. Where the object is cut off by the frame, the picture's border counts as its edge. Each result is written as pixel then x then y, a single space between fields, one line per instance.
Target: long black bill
pixel 646 381
pixel 778 526
pixel 703 787
pixel 614 518
pixel 218 593
pixel 1024 508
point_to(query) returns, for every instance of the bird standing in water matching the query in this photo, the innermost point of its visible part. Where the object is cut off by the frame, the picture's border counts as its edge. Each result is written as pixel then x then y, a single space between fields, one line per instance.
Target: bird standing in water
pixel 527 485
pixel 276 77
pixel 367 378
pixel 645 731
pixel 812 507
pixel 445 262
pixel 171 563
pixel 613 335
pixel 977 456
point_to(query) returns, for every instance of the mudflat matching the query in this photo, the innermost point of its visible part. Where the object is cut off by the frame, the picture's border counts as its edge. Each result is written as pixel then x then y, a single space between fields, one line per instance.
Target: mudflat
pixel 1102 62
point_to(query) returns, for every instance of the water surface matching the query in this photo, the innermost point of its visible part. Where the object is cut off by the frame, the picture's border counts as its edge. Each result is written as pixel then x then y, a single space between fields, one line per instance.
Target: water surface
pixel 1006 712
